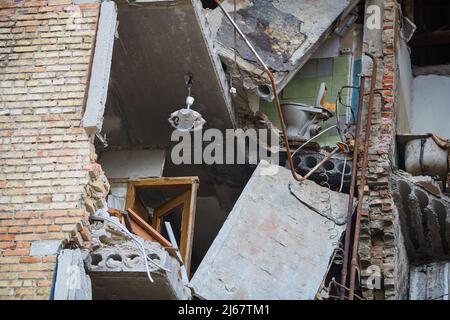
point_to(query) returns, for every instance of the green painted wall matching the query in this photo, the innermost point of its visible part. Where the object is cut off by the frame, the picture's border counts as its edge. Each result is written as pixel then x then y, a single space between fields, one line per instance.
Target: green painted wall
pixel 304 86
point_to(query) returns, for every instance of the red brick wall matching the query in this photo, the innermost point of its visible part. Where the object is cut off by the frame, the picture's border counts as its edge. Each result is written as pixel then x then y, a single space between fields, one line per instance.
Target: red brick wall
pixel 381 242
pixel 45 156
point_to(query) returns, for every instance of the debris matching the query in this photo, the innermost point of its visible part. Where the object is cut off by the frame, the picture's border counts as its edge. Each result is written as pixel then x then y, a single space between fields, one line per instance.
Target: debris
pixel 71 282
pixel 430 282
pixel 143 229
pixel 269 225
pixel 119 272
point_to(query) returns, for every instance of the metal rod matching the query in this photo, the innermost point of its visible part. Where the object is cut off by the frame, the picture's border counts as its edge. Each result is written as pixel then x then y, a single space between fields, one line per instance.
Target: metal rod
pixel 348 230
pixel 362 185
pixel 296 176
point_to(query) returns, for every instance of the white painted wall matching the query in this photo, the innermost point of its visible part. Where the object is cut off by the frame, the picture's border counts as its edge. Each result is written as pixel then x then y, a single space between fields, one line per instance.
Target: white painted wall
pixel 431 105
pixel 424 101
pixel 406 76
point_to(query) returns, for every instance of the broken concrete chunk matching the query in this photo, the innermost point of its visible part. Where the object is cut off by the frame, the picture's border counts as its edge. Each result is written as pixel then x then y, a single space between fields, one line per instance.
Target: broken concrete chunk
pixel 285 33
pixel 45 248
pixel 72 283
pixel 272 246
pixel 89 205
pixel 119 272
pixel 424 219
pixel 430 282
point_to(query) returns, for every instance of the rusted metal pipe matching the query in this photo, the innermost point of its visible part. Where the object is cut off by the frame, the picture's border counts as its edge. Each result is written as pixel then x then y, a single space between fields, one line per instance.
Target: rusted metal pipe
pixel 348 230
pixel 362 185
pixel 274 89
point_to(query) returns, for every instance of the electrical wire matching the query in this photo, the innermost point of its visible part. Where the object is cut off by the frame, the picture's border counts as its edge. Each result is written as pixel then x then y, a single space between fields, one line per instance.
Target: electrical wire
pixel 343 175
pixel 338 121
pixel 141 246
pixel 312 139
pixel 345 105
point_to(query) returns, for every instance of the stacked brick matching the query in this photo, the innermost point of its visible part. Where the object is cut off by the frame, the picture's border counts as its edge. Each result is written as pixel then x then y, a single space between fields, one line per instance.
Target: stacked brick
pixel 45 156
pixel 381 243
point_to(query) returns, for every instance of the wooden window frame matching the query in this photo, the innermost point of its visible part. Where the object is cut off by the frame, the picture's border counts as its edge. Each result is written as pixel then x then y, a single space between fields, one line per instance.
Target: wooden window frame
pixel 186 200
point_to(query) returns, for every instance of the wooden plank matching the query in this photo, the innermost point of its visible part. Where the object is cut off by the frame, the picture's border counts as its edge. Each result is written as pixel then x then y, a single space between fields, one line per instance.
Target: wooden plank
pixel 182 181
pixel 131 196
pixel 165 209
pixel 138 230
pixel 118 214
pixel 147 228
pixel 187 226
pixel 133 202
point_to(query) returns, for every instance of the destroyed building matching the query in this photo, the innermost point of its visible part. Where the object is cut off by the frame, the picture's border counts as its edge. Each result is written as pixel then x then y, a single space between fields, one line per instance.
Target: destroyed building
pixel 351 200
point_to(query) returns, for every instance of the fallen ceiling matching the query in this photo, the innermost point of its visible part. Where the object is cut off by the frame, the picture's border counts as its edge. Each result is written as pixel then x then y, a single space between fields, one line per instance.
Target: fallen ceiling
pixel 285 33
pixel 159 43
pixel 277 242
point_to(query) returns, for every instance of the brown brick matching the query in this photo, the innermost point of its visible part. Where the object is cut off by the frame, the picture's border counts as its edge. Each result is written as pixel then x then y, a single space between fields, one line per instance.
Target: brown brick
pixel 16 252
pixel 7 237
pixel 30 259
pixel 43 148
pixel 49 259
pixel 32 275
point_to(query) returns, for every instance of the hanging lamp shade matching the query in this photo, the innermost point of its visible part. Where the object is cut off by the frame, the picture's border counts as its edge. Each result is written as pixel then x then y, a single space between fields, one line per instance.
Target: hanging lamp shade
pixel 187 119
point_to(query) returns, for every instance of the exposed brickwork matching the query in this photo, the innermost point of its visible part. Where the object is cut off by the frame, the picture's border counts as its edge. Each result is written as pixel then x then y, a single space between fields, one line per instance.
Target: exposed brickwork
pixel 381 239
pixel 45 156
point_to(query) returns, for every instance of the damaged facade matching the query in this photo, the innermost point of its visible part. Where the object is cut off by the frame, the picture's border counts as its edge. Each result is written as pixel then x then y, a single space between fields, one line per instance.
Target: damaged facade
pixel 354 206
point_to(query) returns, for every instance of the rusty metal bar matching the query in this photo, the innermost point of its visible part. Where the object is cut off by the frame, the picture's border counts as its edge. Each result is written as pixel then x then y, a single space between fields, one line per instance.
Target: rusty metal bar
pixel 362 185
pixel 274 89
pixel 348 230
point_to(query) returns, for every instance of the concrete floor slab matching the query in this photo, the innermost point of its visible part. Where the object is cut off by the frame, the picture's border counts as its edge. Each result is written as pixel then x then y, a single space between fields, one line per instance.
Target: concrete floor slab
pixel 159 43
pixel 272 246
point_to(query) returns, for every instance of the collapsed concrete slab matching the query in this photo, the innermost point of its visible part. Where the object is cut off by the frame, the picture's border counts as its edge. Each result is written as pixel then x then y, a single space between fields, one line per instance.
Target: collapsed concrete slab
pixel 159 44
pixel 276 243
pixel 430 282
pixel 285 33
pixel 71 282
pixel 424 217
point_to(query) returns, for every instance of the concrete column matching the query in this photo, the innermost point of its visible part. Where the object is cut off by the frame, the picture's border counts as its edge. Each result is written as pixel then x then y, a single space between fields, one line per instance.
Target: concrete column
pixel 98 86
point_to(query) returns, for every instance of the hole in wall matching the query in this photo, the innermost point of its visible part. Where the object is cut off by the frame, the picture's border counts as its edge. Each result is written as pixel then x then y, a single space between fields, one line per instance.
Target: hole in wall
pixel 340 168
pixel 153 256
pixel 96 259
pixel 264 91
pixel 310 162
pixel 114 257
pixel 329 166
pixel 209 4
pixel 114 261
